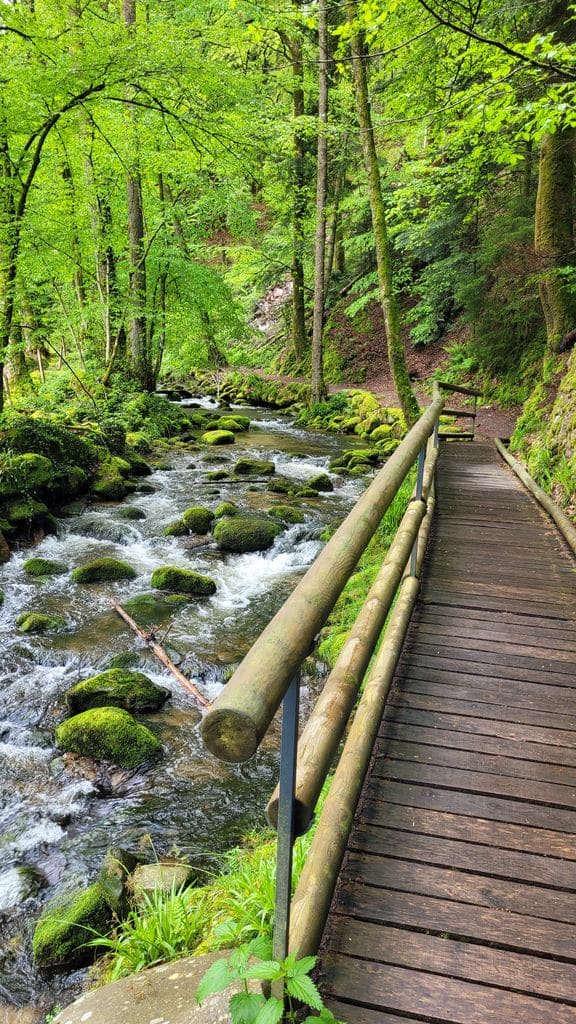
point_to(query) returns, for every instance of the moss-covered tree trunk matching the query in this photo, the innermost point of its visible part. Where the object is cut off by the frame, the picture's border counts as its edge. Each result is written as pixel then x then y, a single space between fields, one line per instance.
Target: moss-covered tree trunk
pixel 554 234
pixel 388 297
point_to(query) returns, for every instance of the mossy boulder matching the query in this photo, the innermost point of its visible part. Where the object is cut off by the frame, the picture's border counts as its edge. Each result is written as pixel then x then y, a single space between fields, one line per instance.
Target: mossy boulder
pixel 131 513
pixel 35 622
pixel 226 508
pixel 218 437
pixel 381 433
pixel 218 474
pixel 254 467
pixel 163 876
pixel 287 514
pixel 198 520
pixel 25 474
pixel 183 581
pixel 108 734
pixel 280 485
pixel 102 570
pixel 320 482
pixel 67 924
pixel 151 608
pixel 360 469
pixel 67 484
pixel 132 691
pixel 44 567
pixel 25 510
pixel 176 529
pixel 230 423
pixel 138 466
pixel 109 486
pixel 246 533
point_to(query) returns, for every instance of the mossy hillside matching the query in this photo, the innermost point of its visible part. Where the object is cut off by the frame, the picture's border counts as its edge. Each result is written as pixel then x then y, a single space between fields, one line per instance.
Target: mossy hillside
pixel 39 567
pixel 108 734
pixel 36 622
pixel 132 691
pixel 103 570
pixel 198 519
pixel 355 412
pixel 241 534
pixel 182 581
pixel 67 925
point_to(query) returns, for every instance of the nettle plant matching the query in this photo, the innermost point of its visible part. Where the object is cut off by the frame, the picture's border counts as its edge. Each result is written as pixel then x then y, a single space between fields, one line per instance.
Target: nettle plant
pixel 253 962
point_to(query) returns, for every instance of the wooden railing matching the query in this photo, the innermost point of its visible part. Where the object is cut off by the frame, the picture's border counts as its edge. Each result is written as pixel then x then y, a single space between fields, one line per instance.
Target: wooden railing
pixel 470 414
pixel 270 676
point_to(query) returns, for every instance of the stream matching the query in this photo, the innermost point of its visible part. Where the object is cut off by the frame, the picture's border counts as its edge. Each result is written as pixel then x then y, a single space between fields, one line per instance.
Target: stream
pixel 55 822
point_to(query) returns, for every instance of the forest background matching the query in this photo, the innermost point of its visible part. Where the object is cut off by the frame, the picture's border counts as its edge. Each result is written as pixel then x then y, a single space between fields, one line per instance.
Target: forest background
pixel 402 171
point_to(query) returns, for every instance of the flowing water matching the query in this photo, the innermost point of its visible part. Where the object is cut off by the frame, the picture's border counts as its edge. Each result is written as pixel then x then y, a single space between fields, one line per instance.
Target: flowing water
pixel 56 819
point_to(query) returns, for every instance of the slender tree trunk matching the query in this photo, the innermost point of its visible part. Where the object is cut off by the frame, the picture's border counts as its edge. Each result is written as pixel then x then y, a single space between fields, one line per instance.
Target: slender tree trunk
pixel 554 234
pixel 388 297
pixel 298 195
pixel 336 220
pixel 318 387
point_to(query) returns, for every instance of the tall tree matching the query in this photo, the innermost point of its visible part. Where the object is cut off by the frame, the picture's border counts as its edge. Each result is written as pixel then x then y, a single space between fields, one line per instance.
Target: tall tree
pixel 318 386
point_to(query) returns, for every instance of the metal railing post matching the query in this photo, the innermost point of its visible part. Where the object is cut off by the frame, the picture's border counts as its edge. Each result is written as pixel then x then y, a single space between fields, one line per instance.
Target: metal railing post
pixel 285 834
pixel 418 497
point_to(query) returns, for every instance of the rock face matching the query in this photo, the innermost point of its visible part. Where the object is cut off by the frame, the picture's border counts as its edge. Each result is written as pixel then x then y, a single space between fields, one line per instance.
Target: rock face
pixel 132 691
pixel 108 734
pixel 246 533
pixel 67 924
pixel 102 570
pixel 35 622
pixel 198 520
pixel 218 437
pixel 183 581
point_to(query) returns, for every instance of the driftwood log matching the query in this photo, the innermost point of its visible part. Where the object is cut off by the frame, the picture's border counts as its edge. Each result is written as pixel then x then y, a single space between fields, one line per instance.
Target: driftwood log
pixel 160 653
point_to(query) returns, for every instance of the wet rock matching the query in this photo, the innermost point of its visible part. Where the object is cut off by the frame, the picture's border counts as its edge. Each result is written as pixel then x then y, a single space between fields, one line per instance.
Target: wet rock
pixel 246 533
pixel 176 529
pixel 226 508
pixel 26 510
pixel 198 520
pixel 254 467
pixel 17 885
pixel 320 482
pixel 287 514
pixel 132 691
pixel 116 869
pixel 131 513
pixel 108 734
pixel 138 466
pixel 218 474
pixel 218 437
pixel 102 570
pixel 4 549
pixel 35 622
pixel 151 608
pixel 162 877
pixel 109 484
pixel 61 933
pixel 44 567
pixel 182 581
pixel 146 489
pixel 280 485
pixel 25 474
pixel 236 424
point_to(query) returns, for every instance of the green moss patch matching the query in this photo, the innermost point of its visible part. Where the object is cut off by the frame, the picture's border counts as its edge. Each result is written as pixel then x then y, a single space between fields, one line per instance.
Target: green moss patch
pixel 108 734
pixel 320 482
pixel 226 508
pixel 176 529
pixel 25 474
pixel 287 514
pixel 246 533
pixel 218 437
pixel 183 581
pixel 151 608
pixel 35 622
pixel 102 570
pixel 44 567
pixel 198 520
pixel 132 691
pixel 254 467
pixel 67 925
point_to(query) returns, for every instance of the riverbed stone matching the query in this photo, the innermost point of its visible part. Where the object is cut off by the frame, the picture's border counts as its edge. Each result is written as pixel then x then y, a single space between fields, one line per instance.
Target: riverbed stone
pixel 108 734
pixel 254 467
pixel 287 513
pixel 218 437
pixel 117 866
pixel 232 423
pixel 197 519
pixel 164 877
pixel 36 622
pixel 67 924
pixel 44 567
pixel 176 529
pixel 102 570
pixel 183 581
pixel 132 691
pixel 280 485
pixel 226 508
pixel 320 482
pixel 131 513
pixel 151 607
pixel 218 474
pixel 240 534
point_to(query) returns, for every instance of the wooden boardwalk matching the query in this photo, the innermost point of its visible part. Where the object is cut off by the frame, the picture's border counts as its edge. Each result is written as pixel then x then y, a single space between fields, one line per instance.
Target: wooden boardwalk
pixel 457 898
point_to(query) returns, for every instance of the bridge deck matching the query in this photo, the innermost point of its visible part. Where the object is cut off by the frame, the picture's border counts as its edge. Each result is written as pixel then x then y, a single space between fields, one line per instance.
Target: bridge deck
pixel 457 898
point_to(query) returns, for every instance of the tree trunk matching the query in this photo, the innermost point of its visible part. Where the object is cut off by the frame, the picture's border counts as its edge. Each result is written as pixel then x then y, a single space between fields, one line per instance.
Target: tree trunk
pixel 554 234
pixel 318 387
pixel 388 298
pixel 298 198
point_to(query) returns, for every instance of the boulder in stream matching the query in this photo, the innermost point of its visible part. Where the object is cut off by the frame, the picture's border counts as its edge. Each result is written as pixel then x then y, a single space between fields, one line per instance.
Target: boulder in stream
pixel 36 622
pixel 234 423
pixel 254 467
pixel 131 513
pixel 246 533
pixel 183 581
pixel 132 691
pixel 226 508
pixel 198 520
pixel 151 608
pixel 44 567
pixel 218 437
pixel 102 570
pixel 320 482
pixel 176 529
pixel 287 514
pixel 67 924
pixel 108 734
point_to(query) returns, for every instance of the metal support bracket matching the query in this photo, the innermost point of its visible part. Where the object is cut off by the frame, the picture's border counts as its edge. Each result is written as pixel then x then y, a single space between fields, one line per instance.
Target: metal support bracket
pixel 285 832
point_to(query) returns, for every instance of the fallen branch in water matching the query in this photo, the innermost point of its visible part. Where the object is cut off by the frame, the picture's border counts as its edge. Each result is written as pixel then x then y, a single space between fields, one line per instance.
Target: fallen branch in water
pixel 160 653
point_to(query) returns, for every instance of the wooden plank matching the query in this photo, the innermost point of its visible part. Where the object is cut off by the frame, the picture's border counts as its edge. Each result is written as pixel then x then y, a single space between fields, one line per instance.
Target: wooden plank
pixel 362 1015
pixel 444 598
pixel 528 595
pixel 526 734
pixel 513 638
pixel 452 958
pixel 460 921
pixel 479 683
pixel 488 784
pixel 474 857
pixel 408 875
pixel 458 826
pixel 460 651
pixel 515 695
pixel 436 736
pixel 427 657
pixel 542 626
pixel 441 999
pixel 403 697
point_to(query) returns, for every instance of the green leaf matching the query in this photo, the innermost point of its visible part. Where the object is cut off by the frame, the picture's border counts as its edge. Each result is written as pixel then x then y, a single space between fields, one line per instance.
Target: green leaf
pixel 239 959
pixel 261 947
pixel 266 970
pixel 303 966
pixel 271 1012
pixel 217 978
pixel 304 989
pixel 244 1007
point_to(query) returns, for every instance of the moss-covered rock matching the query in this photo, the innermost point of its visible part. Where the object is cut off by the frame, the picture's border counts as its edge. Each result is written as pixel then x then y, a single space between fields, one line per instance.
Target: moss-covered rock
pixel 176 529
pixel 230 423
pixel 226 508
pixel 280 485
pixel 381 433
pixel 246 533
pixel 151 608
pixel 183 581
pixel 109 486
pixel 25 474
pixel 108 734
pixel 307 492
pixel 102 570
pixel 138 466
pixel 68 483
pixel 132 691
pixel 25 510
pixel 131 513
pixel 44 567
pixel 67 924
pixel 360 469
pixel 35 622
pixel 4 549
pixel 218 437
pixel 218 474
pixel 287 514
pixel 197 519
pixel 254 467
pixel 320 482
